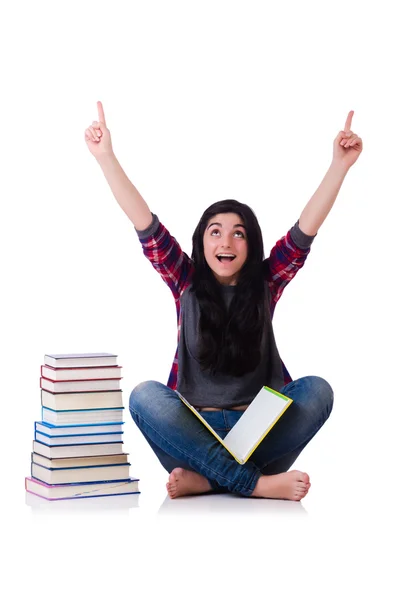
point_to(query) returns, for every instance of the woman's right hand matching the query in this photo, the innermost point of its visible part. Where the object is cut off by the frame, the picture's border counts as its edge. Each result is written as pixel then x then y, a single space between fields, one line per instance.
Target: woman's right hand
pixel 97 136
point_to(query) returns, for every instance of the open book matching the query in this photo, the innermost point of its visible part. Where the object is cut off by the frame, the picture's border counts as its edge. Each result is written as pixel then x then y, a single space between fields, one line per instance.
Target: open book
pixel 252 427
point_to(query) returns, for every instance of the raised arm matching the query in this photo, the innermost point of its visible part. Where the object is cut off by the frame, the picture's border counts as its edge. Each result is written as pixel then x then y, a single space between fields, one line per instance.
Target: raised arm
pixel 99 143
pixel 347 149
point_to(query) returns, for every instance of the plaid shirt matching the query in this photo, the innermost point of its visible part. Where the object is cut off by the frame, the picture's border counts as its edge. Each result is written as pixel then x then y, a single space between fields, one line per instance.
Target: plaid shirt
pixel 176 269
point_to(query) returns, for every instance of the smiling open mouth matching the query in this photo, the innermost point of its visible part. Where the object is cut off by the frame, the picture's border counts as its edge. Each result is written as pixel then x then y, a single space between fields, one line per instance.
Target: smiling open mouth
pixel 225 258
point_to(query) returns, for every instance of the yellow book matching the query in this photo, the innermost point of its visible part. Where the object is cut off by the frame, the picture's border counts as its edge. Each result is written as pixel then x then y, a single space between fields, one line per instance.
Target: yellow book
pixel 253 426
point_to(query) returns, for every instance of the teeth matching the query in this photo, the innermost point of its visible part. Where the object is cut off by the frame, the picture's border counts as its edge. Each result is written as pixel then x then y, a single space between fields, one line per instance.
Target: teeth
pixel 230 255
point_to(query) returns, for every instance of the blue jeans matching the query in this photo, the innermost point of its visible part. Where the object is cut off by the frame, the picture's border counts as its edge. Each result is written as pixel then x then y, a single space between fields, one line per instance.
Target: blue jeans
pixel 179 439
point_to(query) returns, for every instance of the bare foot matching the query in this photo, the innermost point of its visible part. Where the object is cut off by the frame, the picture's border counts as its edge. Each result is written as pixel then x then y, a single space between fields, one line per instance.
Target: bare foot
pixel 186 483
pixel 292 485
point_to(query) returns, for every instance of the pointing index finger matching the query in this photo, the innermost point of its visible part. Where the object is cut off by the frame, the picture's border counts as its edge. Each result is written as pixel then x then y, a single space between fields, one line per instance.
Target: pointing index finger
pixel 348 123
pixel 101 114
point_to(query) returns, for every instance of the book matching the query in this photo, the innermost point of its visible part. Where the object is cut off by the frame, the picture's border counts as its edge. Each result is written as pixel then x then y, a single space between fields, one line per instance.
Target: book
pixel 70 374
pixel 67 440
pixel 77 429
pixel 80 490
pixel 79 461
pixel 90 416
pixel 255 423
pixel 77 449
pixel 80 474
pixel 81 400
pixel 96 359
pixel 117 504
pixel 91 385
pixel 77 446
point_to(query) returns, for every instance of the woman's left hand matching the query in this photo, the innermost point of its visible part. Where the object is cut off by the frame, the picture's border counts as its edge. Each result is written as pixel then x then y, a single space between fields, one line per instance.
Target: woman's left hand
pixel 347 145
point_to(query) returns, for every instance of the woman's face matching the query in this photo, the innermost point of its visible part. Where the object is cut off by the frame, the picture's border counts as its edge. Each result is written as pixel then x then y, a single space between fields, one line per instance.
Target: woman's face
pixel 225 234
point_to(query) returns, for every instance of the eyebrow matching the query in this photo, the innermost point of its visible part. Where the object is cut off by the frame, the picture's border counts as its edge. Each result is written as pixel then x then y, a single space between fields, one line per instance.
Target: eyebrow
pixel 220 225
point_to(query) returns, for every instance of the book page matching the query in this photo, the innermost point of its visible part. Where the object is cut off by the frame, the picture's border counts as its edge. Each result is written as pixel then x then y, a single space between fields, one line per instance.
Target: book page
pixel 257 420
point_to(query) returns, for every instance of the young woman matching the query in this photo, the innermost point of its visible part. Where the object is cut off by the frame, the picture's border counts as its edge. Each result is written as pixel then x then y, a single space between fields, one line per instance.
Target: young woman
pixel 225 297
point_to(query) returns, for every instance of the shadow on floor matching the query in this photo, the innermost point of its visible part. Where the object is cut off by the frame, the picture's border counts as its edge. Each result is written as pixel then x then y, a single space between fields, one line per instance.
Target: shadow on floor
pixel 207 504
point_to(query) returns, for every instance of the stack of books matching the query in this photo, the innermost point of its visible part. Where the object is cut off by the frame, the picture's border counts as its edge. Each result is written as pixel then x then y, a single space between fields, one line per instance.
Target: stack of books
pixel 77 446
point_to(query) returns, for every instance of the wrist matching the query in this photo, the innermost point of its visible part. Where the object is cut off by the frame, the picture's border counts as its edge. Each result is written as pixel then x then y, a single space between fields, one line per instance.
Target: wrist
pixel 338 168
pixel 106 159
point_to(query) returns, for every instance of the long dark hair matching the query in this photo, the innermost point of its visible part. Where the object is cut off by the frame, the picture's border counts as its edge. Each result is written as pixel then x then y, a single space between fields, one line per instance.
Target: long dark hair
pixel 230 340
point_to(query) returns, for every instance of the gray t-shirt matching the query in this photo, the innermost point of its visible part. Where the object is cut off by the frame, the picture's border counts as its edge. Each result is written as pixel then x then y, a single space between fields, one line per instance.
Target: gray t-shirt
pixel 201 388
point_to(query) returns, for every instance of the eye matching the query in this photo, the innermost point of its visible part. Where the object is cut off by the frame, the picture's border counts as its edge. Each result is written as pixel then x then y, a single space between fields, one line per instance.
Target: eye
pixel 239 232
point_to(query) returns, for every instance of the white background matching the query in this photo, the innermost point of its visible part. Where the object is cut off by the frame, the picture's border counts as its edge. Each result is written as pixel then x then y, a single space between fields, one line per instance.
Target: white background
pixel 204 101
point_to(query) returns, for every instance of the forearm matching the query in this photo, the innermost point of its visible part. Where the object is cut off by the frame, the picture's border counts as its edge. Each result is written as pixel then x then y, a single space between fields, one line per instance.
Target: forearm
pixel 125 192
pixel 319 205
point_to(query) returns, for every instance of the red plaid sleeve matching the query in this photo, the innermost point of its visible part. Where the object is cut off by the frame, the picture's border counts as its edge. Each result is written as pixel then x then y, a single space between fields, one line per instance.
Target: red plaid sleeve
pixel 163 251
pixel 174 267
pixel 285 260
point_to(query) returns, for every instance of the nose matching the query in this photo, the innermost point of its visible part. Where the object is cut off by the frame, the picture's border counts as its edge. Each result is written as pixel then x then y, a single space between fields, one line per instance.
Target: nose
pixel 228 240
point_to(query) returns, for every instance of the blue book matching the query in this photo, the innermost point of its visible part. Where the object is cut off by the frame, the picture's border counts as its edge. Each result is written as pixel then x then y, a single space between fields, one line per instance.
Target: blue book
pixel 71 440
pixel 77 428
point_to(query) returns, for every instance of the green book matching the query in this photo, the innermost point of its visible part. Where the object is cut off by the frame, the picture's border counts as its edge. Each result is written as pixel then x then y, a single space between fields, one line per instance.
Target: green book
pixel 253 426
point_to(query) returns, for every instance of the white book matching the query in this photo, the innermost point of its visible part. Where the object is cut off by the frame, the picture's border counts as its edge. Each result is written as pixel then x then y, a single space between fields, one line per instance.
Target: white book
pixel 82 490
pixel 77 450
pixel 69 374
pixel 80 474
pixel 79 461
pixel 257 420
pixel 97 359
pixel 80 417
pixel 90 385
pixel 82 400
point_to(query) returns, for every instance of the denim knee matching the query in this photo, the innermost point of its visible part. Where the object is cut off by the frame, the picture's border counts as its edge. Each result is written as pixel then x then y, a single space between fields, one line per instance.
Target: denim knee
pixel 141 395
pixel 323 392
pixel 311 394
